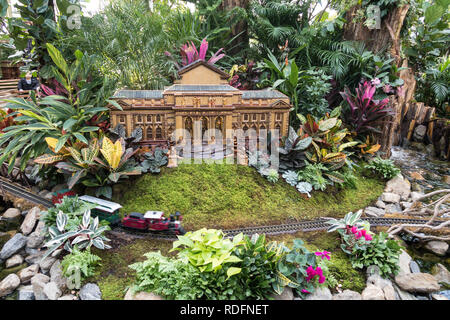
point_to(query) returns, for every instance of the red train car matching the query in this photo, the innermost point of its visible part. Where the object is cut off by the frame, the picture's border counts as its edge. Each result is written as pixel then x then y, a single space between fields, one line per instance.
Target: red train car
pixel 154 221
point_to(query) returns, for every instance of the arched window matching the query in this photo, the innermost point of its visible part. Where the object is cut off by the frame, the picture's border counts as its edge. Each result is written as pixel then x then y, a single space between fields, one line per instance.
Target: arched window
pixel 139 119
pixel 149 133
pixel 219 123
pixel 188 125
pixel 149 118
pixel 158 118
pixel 158 133
pixel 204 121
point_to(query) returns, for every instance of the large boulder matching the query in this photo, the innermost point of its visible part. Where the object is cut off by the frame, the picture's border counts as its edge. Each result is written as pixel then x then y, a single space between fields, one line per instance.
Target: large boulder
pixel 26 274
pixel 52 291
pixel 90 291
pixel 13 245
pixel 12 213
pixel 46 263
pixel 9 284
pixel 14 261
pixel 417 282
pixel 437 247
pixel 390 197
pixel 38 282
pixel 30 220
pixel 374 212
pixel 320 294
pixel 25 293
pixel 404 261
pixel 35 240
pixel 416 195
pixel 347 295
pixel 151 296
pixel 419 133
pixel 403 295
pixel 400 186
pixel 441 274
pixel 56 275
pixel 372 292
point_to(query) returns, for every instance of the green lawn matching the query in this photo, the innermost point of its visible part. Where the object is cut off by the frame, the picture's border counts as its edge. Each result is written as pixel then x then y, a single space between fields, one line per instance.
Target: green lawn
pixel 231 196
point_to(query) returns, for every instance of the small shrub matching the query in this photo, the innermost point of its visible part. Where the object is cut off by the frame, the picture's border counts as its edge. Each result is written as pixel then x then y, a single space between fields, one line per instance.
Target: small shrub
pixel 383 167
pixel 83 262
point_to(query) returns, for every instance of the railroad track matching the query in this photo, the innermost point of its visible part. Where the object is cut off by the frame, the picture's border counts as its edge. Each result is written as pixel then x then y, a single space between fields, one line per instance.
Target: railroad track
pixel 303 226
pixel 21 192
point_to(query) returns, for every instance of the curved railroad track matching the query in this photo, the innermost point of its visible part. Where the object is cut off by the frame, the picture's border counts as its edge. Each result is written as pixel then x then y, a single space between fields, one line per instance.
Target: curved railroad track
pixel 303 226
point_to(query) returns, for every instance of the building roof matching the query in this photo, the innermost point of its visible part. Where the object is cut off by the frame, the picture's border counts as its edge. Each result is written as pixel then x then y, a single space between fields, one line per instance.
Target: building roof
pixel 138 94
pixel 263 94
pixel 196 63
pixel 103 205
pixel 200 88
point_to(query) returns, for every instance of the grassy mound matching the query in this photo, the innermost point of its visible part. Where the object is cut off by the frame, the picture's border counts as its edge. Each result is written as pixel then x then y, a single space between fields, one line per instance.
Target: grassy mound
pixel 232 196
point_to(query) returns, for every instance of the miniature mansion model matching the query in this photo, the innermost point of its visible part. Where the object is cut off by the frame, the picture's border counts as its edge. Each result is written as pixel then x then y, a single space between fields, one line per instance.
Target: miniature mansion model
pixel 203 96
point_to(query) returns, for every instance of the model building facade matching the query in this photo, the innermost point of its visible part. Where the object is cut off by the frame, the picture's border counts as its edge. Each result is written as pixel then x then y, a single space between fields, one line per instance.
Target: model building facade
pixel 202 96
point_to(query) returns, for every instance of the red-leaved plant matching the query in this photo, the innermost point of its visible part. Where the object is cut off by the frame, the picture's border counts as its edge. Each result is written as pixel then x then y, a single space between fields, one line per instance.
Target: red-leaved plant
pixel 190 54
pixel 364 110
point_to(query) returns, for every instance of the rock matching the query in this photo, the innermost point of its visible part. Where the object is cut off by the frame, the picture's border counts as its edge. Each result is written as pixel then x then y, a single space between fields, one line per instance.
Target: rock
pixel 46 194
pixel 441 274
pixel 417 282
pixel 445 293
pixel 320 294
pixel 70 297
pixel 52 291
pixel 416 176
pixel 9 284
pixel 393 208
pixel 59 187
pixel 435 296
pixel 46 264
pixel 403 295
pixel 437 247
pixel 347 295
pixel 40 226
pixel 14 245
pixel 35 240
pixel 390 197
pixel 30 220
pixel 414 267
pixel 380 204
pixel 406 204
pixel 419 133
pixel 398 185
pixel 389 293
pixel 25 293
pixel 416 195
pixel 56 275
pixel 15 260
pixel 38 282
pixel 372 292
pixel 26 274
pixel 287 294
pixel 29 251
pixel 151 296
pixel 90 291
pixel 404 261
pixel 34 258
pixel 374 212
pixel 12 213
pixel 430 150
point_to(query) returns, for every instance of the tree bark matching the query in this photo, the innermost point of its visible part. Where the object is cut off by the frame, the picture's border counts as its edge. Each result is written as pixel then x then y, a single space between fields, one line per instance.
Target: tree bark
pixel 387 37
pixel 240 28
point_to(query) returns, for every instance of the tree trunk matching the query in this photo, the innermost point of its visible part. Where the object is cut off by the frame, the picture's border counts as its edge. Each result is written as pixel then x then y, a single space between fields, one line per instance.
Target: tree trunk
pixel 240 28
pixel 386 37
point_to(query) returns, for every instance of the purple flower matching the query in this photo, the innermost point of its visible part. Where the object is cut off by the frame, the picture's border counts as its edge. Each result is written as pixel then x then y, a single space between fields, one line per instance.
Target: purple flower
pixel 324 254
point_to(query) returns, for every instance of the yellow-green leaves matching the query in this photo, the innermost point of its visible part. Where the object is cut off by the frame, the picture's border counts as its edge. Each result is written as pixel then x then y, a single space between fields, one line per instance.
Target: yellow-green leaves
pixel 208 250
pixel 112 152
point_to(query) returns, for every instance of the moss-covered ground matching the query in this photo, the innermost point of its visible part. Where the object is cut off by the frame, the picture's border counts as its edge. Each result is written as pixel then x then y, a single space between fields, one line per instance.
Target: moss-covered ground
pixel 232 196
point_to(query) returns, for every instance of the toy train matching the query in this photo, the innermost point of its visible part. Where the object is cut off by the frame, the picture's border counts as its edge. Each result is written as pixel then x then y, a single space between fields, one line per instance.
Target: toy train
pixel 152 221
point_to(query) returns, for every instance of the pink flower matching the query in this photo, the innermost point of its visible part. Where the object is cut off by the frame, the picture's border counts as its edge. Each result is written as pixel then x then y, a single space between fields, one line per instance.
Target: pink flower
pixel 387 88
pixel 358 235
pixel 368 237
pixel 305 291
pixel 363 232
pixel 375 81
pixel 354 229
pixel 324 254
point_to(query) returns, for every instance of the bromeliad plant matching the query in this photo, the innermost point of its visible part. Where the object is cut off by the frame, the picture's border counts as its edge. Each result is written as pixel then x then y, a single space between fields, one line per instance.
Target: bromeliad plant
pixel 189 54
pixel 87 234
pixel 364 109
